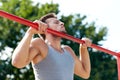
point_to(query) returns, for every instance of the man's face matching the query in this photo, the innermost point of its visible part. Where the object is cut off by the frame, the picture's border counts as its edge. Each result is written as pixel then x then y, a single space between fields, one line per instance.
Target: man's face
pixel 55 24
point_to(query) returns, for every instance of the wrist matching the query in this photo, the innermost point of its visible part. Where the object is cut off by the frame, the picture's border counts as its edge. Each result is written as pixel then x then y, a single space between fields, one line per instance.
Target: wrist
pixel 83 46
pixel 30 31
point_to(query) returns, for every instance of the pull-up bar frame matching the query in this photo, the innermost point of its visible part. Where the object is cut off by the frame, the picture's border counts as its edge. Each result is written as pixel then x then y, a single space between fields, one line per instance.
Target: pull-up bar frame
pixel 63 35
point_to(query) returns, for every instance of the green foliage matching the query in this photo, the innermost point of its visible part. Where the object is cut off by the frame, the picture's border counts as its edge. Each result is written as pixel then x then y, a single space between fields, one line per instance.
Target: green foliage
pixel 48 8
pixel 103 66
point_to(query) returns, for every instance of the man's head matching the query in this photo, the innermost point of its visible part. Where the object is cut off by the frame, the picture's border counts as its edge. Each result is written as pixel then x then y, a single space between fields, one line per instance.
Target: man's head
pixel 53 23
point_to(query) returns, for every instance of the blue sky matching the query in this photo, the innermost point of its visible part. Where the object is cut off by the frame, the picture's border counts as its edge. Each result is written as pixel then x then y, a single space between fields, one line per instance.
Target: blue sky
pixel 103 12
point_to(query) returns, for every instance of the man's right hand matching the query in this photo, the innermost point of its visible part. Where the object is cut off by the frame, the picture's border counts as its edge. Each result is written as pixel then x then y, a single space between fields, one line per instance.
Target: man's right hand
pixel 41 28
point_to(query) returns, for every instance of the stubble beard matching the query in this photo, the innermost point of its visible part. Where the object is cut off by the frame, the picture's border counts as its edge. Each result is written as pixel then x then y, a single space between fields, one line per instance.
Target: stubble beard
pixel 64 32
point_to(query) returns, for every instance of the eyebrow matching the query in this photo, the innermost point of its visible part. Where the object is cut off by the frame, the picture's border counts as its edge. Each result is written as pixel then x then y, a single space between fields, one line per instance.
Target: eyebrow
pixel 53 20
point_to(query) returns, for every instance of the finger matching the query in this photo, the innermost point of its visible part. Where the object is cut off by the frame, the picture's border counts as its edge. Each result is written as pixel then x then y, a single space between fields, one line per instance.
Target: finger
pixel 40 26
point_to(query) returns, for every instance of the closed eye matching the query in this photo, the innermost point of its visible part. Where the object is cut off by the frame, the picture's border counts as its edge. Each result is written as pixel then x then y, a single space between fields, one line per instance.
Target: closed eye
pixel 56 22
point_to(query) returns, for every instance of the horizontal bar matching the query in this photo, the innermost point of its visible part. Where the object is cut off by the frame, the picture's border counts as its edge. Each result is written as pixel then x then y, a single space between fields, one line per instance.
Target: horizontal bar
pixel 63 35
pixel 18 19
pixel 77 40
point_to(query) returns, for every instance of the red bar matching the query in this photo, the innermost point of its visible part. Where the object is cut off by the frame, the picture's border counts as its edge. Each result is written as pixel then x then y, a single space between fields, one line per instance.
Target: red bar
pixel 66 36
pixel 118 67
pixel 77 40
pixel 18 19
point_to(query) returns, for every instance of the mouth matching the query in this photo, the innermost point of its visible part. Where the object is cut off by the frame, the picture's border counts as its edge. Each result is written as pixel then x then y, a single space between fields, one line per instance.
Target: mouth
pixel 63 29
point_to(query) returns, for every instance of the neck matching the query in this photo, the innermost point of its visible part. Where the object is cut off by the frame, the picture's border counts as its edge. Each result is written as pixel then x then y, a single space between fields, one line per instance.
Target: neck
pixel 54 41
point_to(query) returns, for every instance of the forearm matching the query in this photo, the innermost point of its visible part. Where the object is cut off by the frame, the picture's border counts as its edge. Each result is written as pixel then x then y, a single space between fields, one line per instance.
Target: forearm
pixel 21 53
pixel 85 59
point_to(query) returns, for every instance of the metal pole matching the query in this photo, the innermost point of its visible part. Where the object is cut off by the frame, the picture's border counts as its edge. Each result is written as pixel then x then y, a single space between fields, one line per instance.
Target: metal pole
pixel 118 67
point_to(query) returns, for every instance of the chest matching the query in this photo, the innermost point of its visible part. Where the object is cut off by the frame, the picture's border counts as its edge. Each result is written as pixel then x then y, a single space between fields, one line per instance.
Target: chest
pixel 58 61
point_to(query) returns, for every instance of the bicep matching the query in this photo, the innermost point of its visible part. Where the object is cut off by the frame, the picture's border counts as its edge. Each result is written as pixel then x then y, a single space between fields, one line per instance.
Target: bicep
pixel 33 52
pixel 78 69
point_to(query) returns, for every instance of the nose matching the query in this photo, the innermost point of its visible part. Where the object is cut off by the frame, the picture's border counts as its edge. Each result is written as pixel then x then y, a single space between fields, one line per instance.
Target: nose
pixel 62 24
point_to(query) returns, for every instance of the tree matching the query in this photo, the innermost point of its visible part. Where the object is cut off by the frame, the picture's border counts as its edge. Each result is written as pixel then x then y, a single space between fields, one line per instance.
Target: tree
pixel 11 33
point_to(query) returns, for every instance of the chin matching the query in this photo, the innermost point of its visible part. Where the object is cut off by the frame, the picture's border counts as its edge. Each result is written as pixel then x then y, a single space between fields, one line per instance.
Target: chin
pixel 64 32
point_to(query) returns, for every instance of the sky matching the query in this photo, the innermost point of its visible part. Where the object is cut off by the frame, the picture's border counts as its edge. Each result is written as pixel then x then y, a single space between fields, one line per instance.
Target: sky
pixel 103 12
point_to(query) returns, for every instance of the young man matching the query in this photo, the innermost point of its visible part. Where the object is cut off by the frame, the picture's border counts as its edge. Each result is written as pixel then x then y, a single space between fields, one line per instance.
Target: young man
pixel 51 60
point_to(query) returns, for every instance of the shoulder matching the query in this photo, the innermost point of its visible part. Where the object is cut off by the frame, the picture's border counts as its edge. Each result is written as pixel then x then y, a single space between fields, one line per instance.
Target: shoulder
pixel 42 48
pixel 68 48
pixel 40 45
pixel 37 42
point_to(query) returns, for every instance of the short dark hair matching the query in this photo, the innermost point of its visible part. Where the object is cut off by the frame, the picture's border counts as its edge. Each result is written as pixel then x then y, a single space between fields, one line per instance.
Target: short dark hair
pixel 49 15
pixel 44 18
